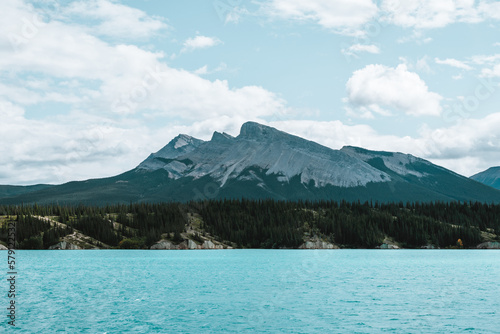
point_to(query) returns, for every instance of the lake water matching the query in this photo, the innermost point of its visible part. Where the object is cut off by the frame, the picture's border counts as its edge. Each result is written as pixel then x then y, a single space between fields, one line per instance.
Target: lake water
pixel 256 291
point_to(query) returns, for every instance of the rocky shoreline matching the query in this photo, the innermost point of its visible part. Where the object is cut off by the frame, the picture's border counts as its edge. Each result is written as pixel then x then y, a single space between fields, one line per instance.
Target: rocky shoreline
pixel 189 244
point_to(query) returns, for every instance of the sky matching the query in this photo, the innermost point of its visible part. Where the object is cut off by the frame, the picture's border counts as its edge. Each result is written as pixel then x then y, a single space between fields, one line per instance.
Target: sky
pixel 89 89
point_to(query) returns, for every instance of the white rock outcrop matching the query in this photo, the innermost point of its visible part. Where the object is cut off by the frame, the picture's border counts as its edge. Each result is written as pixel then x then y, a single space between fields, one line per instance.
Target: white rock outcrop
pixel 318 244
pixel 64 245
pixel 387 246
pixel 489 245
pixel 164 244
pixel 187 244
pixel 191 244
pixel 208 245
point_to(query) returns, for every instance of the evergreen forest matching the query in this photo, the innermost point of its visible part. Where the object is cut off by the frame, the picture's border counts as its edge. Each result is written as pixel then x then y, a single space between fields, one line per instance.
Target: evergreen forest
pixel 254 224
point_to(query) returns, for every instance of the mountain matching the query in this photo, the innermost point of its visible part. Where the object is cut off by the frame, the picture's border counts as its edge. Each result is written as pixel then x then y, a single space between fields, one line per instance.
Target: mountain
pixel 8 191
pixel 263 162
pixel 182 144
pixel 490 177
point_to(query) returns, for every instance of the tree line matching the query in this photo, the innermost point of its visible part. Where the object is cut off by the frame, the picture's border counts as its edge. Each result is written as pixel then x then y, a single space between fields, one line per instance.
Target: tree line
pixel 259 223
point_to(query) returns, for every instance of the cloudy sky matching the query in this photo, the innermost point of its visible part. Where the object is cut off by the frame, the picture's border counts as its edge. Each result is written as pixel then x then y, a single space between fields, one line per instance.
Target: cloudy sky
pixel 90 88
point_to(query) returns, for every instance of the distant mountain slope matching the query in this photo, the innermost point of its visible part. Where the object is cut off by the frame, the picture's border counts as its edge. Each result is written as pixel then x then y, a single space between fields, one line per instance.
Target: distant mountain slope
pixel 8 191
pixel 490 177
pixel 263 162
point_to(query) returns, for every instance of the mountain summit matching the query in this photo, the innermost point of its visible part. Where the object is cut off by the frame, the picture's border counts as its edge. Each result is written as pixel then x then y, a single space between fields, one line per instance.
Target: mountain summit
pixel 182 144
pixel 263 162
pixel 265 150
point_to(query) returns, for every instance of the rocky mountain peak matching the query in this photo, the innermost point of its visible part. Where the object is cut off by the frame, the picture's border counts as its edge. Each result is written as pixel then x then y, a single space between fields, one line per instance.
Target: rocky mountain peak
pixel 221 137
pixel 182 144
pixel 183 140
pixel 253 130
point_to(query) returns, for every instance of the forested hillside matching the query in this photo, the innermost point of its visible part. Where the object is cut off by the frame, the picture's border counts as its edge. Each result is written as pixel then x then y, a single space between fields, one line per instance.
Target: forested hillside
pixel 254 224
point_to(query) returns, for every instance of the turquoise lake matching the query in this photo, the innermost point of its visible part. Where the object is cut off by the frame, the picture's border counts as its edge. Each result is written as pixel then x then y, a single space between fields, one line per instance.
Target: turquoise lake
pixel 256 291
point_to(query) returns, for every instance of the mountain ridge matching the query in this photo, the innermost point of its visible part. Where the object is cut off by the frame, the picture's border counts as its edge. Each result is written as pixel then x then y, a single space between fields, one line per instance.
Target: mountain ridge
pixel 489 177
pixel 264 162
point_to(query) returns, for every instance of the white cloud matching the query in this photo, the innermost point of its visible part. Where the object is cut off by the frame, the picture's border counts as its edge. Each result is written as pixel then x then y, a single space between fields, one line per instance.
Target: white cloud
pixel 113 90
pixel 63 148
pixel 362 112
pixel 485 59
pixel 61 50
pixel 183 94
pixel 234 15
pixel 423 65
pixel 468 147
pixel 426 14
pixel 204 70
pixel 454 63
pixel 348 17
pixel 334 134
pixel 491 72
pixel 342 16
pixel 384 90
pixel 114 19
pixel 80 146
pixel 123 79
pixel 200 42
pixel 490 63
pixel 355 49
pixel 231 11
pixel 122 86
pixel 489 9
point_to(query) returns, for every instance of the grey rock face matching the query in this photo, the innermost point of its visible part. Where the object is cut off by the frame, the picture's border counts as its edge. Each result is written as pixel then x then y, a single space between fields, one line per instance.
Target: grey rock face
pixel 278 153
